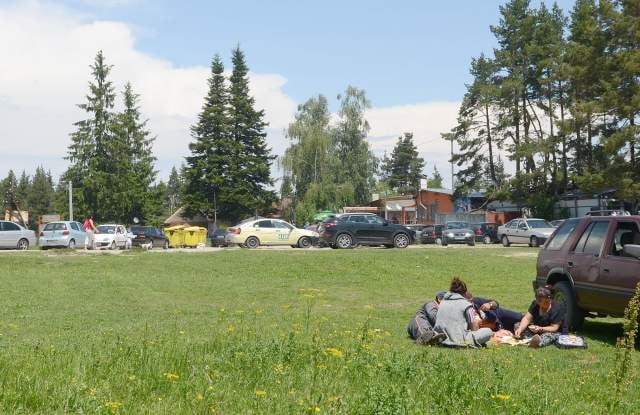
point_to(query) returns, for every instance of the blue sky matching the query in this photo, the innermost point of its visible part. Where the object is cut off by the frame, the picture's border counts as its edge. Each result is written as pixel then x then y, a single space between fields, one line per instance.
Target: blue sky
pixel 411 58
pixel 399 52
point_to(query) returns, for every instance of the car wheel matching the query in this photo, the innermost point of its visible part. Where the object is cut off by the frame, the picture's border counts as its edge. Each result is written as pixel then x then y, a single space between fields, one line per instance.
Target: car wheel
pixel 472 242
pixel 534 242
pixel 487 239
pixel 563 294
pixel 505 241
pixel 113 245
pixel 444 242
pixel 401 240
pixel 23 244
pixel 252 242
pixel 344 241
pixel 72 244
pixel 304 242
pixel 333 246
pixel 165 245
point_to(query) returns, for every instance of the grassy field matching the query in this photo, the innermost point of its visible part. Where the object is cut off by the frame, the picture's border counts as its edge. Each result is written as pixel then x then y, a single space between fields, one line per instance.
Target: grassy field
pixel 266 331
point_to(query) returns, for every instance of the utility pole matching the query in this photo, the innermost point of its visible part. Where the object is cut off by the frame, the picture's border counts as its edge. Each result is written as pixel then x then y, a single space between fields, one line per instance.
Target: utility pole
pixel 70 202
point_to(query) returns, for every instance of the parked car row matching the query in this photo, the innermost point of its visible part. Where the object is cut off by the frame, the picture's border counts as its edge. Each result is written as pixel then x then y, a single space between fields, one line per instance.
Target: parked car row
pixel 71 234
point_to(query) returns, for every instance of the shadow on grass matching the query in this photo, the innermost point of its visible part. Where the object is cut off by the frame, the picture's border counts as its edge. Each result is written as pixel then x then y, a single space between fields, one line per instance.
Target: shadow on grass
pixel 603 331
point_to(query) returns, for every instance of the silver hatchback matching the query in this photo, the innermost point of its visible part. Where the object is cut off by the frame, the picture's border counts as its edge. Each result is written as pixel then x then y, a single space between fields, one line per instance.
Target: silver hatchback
pixel 14 236
pixel 62 234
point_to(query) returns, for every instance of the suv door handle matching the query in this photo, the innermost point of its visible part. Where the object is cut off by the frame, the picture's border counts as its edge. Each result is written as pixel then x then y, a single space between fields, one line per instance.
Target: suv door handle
pixel 570 263
pixel 605 269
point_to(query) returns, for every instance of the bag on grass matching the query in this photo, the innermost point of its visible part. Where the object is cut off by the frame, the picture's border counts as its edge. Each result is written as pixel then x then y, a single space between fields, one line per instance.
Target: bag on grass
pixel 569 341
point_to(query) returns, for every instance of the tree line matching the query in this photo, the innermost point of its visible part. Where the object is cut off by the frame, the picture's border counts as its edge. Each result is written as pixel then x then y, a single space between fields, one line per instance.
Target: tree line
pixel 559 97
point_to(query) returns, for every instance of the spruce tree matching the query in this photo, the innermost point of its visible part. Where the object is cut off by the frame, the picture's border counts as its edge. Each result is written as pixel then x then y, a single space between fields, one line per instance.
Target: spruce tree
pixel 134 172
pixel 212 169
pixel 41 196
pixel 250 163
pixel 22 191
pixel 435 181
pixel 90 143
pixel 405 166
pixel 175 187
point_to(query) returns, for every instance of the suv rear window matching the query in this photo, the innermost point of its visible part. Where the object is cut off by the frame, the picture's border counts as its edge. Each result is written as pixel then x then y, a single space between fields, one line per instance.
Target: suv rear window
pixel 561 235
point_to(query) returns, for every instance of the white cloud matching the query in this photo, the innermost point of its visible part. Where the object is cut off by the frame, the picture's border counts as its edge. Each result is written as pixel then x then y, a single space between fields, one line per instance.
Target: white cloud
pixel 426 121
pixel 44 73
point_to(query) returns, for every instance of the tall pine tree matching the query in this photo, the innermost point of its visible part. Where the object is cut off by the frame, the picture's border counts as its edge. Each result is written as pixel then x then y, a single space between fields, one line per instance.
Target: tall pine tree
pixel 403 170
pixel 89 144
pixel 250 163
pixel 213 165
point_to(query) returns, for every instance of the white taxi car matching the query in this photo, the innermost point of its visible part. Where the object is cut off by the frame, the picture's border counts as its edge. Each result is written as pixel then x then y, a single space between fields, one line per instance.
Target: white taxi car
pixel 255 232
pixel 112 237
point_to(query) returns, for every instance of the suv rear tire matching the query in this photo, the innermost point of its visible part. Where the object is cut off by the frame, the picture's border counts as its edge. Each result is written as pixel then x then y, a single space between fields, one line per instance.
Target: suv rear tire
pixel 344 241
pixel 563 294
pixel 505 241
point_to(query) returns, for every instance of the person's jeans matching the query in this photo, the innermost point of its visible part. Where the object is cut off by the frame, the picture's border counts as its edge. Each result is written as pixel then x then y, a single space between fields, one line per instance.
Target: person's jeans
pixel 417 326
pixel 482 336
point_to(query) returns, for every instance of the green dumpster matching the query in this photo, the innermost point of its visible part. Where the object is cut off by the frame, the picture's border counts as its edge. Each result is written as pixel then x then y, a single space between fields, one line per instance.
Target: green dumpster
pixel 175 235
pixel 194 236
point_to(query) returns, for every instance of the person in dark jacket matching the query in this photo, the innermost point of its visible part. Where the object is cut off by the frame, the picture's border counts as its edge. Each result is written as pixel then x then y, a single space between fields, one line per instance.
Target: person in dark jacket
pixel 420 328
pixel 502 318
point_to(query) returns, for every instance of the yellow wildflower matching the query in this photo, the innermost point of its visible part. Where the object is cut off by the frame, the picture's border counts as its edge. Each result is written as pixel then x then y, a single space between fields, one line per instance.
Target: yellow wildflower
pixel 261 393
pixel 335 352
pixel 113 406
pixel 171 376
pixel 199 397
pixel 231 329
pixel 501 397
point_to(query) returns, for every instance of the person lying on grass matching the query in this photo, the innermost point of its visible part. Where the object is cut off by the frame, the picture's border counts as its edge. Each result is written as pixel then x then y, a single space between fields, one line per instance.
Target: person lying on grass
pixel 458 319
pixel 420 328
pixel 495 317
pixel 543 322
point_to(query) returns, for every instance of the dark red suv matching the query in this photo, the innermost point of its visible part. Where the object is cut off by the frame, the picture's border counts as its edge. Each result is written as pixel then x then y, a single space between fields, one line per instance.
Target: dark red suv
pixel 593 264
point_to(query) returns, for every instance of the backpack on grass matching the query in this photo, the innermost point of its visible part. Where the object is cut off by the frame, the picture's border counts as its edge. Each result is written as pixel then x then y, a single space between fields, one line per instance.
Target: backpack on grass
pixel 569 341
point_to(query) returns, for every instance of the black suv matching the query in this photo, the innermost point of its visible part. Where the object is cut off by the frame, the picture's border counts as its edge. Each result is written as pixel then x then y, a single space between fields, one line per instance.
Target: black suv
pixel 351 229
pixel 149 235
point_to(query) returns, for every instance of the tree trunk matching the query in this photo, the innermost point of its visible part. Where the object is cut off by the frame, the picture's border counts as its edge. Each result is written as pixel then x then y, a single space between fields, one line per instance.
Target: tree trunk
pixel 589 144
pixel 492 170
pixel 632 144
pixel 516 141
pixel 564 141
pixel 554 170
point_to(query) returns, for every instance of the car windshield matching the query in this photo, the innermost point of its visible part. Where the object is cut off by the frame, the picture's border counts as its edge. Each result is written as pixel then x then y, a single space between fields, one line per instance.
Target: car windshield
pixel 106 229
pixel 457 225
pixel 539 223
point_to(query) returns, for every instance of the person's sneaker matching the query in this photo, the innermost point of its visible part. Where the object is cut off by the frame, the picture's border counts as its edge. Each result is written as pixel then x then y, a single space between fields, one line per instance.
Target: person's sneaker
pixel 425 337
pixel 535 341
pixel 438 338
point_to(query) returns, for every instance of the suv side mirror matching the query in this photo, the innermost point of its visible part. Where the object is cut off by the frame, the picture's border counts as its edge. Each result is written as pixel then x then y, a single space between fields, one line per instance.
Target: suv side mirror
pixel 631 250
pixel 385 223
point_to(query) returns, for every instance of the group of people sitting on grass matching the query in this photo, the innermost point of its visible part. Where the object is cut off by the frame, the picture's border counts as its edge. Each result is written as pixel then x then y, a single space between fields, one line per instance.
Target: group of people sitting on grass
pixel 457 318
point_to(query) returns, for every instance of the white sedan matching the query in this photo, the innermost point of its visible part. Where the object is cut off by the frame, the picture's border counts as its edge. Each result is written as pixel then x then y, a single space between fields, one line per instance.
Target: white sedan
pixel 112 237
pixel 14 236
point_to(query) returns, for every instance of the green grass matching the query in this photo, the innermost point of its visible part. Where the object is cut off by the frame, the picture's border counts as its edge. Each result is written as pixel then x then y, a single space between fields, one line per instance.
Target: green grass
pixel 276 332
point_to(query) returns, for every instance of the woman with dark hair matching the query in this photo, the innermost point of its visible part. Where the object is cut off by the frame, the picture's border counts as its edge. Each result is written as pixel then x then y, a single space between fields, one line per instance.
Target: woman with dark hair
pixel 458 319
pixel 544 320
